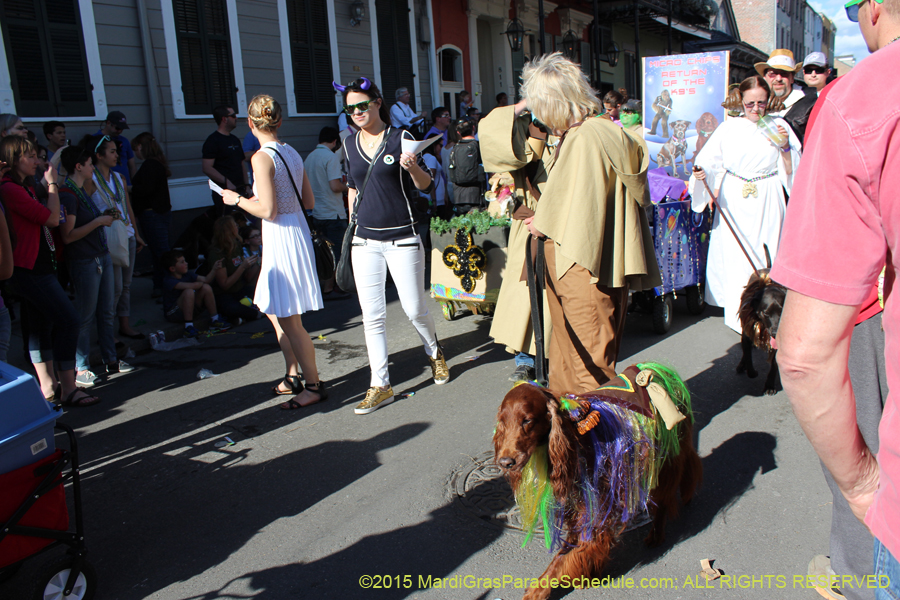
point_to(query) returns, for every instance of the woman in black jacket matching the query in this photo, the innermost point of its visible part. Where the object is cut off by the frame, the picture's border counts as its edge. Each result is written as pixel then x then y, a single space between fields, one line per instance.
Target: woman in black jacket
pixel 150 199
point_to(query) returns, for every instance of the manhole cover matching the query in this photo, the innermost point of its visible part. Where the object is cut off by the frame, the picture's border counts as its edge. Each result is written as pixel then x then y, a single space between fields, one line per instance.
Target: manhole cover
pixel 480 490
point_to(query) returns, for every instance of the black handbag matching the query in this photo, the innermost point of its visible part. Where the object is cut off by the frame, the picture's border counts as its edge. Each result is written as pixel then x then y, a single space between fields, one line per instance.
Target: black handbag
pixel 324 255
pixel 343 273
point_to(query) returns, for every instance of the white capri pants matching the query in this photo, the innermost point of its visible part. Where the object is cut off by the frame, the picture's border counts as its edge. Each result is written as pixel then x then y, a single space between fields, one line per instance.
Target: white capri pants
pixel 406 260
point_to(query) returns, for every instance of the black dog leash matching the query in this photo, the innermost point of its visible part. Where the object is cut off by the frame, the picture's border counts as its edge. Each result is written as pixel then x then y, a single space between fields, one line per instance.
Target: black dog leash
pixel 536 294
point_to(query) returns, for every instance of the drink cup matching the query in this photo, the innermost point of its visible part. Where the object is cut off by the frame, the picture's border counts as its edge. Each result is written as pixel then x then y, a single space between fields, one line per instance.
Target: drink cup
pixel 769 128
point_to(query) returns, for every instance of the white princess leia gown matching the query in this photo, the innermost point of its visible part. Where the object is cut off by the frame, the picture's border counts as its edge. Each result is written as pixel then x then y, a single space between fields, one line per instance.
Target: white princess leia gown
pixel 734 151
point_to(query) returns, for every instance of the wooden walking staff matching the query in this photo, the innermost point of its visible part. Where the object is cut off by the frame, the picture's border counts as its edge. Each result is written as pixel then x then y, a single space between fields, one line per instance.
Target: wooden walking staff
pixel 730 226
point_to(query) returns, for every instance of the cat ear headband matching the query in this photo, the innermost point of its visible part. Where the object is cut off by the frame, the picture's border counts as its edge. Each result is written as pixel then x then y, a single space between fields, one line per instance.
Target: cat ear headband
pixel 365 85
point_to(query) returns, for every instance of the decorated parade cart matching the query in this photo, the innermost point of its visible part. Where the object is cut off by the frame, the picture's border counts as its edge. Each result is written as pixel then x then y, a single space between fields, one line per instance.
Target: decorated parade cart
pixel 468 256
pixel 681 241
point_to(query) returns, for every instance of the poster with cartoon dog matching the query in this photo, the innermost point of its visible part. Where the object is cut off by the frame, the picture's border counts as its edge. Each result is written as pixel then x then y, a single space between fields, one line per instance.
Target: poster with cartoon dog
pixel 683 96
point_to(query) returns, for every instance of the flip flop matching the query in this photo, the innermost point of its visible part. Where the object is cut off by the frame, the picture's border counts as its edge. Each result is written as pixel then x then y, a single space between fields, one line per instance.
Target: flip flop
pixel 86 400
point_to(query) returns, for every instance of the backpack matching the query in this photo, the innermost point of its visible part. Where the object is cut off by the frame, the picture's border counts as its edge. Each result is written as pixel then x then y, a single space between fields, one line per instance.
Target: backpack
pixel 465 166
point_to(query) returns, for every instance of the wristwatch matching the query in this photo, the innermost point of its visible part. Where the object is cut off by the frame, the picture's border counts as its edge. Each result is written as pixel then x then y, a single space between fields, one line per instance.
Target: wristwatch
pixel 238 201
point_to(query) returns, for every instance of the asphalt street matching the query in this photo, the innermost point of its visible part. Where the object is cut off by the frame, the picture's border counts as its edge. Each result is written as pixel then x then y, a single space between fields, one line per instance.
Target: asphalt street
pixel 323 504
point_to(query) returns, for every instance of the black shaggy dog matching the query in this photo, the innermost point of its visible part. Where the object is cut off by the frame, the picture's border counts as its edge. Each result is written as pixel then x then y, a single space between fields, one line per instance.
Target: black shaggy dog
pixel 760 314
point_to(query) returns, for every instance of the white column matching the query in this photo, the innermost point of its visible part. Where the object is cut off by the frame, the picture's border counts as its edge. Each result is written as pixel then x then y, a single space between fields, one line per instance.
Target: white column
pixel 473 56
pixel 432 60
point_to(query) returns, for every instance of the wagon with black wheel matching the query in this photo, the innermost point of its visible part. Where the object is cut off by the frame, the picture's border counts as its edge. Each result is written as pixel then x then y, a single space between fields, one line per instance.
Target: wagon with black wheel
pixel 34 478
pixel 681 242
pixel 468 257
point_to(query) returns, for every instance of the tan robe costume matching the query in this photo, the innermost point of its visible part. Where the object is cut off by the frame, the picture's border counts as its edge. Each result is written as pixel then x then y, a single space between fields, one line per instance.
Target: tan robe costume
pixel 592 209
pixel 506 147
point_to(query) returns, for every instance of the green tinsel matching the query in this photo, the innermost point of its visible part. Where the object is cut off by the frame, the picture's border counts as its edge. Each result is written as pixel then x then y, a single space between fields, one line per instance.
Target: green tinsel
pixel 479 220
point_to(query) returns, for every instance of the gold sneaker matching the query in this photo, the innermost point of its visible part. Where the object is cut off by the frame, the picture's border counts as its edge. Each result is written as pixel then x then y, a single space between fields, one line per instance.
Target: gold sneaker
pixel 439 369
pixel 375 399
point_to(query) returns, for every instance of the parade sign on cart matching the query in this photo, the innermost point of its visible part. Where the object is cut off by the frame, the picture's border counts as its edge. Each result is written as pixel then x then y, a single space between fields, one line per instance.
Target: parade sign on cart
pixel 683 95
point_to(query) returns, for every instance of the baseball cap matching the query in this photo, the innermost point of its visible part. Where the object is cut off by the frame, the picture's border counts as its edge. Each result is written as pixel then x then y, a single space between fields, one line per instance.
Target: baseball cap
pixel 117 118
pixel 815 58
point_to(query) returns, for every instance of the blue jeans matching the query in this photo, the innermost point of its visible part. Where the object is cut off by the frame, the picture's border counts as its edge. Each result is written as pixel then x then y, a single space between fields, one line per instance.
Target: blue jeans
pixel 5 332
pixel 94 297
pixel 155 230
pixel 123 277
pixel 887 572
pixel 53 330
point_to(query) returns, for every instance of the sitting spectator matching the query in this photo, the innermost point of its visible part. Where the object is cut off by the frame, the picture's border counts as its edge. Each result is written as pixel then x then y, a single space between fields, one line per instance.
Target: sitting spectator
pixel 182 291
pixel 252 237
pixel 90 266
pixel 53 327
pixel 466 169
pixel 234 281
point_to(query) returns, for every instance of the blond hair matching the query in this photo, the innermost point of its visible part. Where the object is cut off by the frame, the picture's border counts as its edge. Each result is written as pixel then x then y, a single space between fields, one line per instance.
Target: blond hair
pixel 558 91
pixel 265 113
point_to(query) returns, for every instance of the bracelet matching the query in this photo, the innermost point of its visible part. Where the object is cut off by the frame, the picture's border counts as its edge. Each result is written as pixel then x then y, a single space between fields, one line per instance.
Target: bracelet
pixel 53 183
pixel 786 149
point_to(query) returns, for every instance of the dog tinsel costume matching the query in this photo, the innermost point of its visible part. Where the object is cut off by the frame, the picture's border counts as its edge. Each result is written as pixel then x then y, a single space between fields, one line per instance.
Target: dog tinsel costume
pixel 628 432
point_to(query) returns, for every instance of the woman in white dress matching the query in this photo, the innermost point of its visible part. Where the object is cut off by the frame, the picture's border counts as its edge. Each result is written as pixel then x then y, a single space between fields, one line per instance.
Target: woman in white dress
pixel 288 284
pixel 748 173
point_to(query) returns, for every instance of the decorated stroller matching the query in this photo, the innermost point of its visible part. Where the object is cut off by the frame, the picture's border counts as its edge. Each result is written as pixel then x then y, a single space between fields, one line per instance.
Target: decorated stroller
pixel 681 241
pixel 34 516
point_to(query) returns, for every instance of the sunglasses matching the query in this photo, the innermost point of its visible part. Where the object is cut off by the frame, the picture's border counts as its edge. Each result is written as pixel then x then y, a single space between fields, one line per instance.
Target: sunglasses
pixel 361 106
pixel 776 72
pixel 750 105
pixel 102 141
pixel 853 7
pixel 814 69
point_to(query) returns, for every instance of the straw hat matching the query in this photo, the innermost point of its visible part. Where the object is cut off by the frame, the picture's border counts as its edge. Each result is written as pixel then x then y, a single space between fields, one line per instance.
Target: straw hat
pixel 780 59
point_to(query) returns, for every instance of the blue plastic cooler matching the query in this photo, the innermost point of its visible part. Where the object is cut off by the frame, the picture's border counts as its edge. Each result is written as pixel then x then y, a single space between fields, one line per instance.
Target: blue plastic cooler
pixel 26 420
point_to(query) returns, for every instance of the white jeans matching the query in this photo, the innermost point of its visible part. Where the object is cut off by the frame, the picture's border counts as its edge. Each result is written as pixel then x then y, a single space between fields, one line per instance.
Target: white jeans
pixel 406 260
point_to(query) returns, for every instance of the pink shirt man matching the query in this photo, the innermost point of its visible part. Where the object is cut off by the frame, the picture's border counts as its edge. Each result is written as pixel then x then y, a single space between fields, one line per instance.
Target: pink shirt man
pixel 842 225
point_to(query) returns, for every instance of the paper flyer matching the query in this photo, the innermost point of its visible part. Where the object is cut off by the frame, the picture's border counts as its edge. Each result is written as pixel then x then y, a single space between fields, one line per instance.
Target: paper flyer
pixel 410 144
pixel 215 187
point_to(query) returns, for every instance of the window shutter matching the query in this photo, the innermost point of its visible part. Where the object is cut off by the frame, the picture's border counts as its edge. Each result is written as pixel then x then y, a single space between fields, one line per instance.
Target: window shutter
pixel 47 60
pixel 310 44
pixel 394 49
pixel 204 55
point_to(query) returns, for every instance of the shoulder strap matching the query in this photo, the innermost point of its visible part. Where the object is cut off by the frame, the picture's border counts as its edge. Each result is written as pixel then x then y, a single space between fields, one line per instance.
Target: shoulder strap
pixel 359 191
pixel 296 191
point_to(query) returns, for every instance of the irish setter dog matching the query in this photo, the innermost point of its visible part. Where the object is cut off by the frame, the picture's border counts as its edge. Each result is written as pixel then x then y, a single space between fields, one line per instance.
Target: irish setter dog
pixel 531 417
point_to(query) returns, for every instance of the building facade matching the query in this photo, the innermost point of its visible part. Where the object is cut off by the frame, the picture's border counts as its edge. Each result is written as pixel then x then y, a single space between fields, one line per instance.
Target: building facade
pixel 167 63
